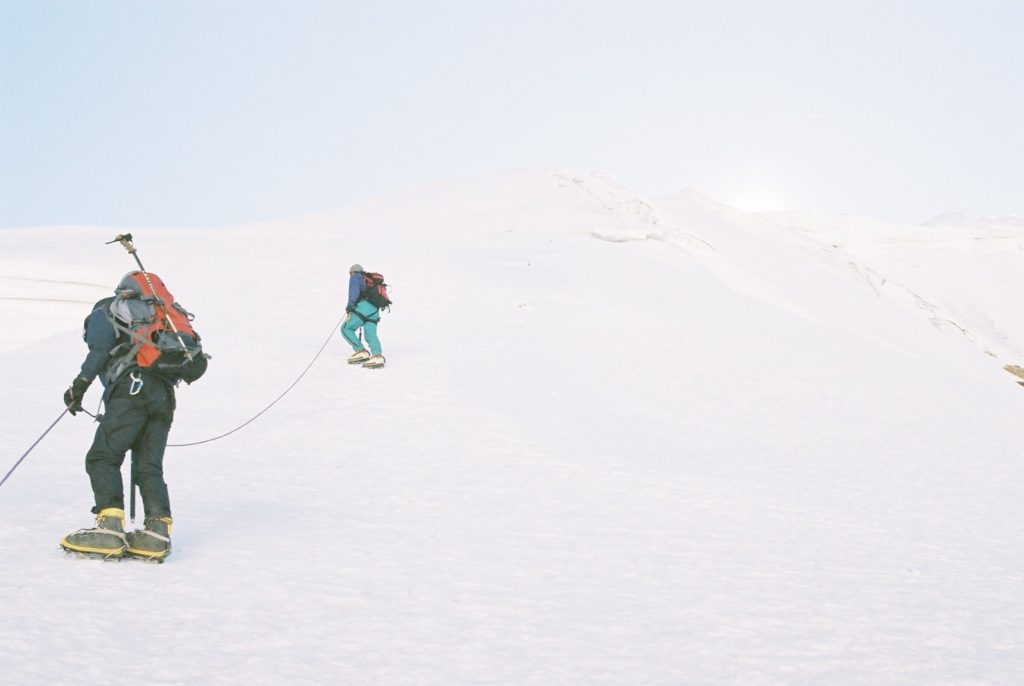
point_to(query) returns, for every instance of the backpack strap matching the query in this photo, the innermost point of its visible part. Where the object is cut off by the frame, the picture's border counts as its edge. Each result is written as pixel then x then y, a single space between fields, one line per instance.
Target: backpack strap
pixel 123 356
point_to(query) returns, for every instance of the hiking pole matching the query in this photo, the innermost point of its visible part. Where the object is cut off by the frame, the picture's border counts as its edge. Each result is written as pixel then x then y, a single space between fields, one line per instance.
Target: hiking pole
pixel 125 239
pixel 11 471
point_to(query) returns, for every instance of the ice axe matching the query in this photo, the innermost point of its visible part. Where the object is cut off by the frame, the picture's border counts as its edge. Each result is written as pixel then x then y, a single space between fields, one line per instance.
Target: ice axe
pixel 125 239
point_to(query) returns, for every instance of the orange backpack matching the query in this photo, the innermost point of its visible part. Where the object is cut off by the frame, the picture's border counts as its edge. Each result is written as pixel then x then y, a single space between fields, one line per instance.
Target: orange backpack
pixel 160 333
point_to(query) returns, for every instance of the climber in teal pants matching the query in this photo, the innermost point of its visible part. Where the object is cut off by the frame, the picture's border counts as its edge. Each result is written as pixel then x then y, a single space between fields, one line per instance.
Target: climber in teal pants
pixel 366 316
pixel 361 315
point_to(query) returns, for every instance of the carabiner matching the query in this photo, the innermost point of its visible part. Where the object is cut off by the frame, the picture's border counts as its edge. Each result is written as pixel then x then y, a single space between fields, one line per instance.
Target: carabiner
pixel 136 384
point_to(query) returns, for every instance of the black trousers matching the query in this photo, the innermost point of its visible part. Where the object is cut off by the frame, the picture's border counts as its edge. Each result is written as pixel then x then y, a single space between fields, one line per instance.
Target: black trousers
pixel 138 422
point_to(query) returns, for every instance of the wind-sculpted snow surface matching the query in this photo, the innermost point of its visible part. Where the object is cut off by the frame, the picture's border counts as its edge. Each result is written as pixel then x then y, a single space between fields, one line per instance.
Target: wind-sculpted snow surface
pixel 589 460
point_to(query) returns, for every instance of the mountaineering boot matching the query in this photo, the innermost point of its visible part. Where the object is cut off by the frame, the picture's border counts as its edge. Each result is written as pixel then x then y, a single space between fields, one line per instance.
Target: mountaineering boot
pixel 359 357
pixel 374 362
pixel 153 542
pixel 106 539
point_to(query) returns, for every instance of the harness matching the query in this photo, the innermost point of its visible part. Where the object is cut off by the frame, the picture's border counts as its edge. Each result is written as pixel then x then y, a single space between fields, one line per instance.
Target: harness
pixel 366 319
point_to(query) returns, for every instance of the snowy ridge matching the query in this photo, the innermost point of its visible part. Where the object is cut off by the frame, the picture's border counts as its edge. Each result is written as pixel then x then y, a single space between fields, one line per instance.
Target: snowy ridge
pixel 751 470
pixel 637 218
pixel 885 287
pixel 961 220
pixel 911 266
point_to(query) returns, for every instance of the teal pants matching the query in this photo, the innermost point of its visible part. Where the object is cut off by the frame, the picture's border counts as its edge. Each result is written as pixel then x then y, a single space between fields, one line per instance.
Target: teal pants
pixel 350 329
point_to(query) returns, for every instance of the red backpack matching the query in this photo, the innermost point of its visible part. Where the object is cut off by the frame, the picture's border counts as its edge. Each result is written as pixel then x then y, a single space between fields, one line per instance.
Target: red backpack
pixel 375 291
pixel 159 330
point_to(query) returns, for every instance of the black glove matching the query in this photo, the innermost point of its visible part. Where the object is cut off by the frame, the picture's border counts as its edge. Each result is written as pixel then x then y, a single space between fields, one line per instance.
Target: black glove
pixel 73 396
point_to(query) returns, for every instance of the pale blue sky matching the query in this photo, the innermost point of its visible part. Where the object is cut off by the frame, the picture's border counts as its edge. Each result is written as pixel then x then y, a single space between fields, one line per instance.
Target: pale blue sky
pixel 209 112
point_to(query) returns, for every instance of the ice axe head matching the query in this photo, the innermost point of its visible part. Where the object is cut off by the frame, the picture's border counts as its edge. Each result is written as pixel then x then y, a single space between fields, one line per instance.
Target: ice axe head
pixel 125 239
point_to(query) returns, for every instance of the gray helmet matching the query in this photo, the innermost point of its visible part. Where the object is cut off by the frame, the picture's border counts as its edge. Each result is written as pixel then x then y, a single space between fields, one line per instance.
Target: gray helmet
pixel 355 268
pixel 128 287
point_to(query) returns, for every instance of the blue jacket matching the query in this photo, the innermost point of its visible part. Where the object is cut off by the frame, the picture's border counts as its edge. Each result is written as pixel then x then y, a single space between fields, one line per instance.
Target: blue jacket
pixel 101 339
pixel 355 289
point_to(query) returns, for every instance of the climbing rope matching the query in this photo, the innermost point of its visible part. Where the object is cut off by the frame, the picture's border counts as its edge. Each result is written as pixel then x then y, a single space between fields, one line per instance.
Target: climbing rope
pixel 20 459
pixel 185 445
pixel 242 426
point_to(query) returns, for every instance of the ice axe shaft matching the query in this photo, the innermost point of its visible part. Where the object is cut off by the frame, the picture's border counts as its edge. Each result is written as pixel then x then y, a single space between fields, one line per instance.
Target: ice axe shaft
pixel 131 500
pixel 125 239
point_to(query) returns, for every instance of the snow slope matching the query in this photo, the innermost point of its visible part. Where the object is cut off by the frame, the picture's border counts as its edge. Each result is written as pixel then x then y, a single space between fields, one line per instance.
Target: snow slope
pixel 619 440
